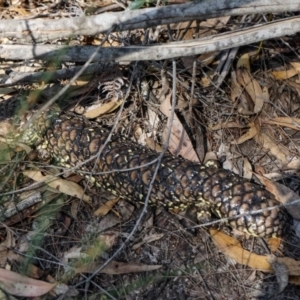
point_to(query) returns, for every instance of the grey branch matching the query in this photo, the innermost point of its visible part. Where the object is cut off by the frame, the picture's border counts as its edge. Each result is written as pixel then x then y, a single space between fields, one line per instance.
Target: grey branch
pixel 37 30
pixel 157 52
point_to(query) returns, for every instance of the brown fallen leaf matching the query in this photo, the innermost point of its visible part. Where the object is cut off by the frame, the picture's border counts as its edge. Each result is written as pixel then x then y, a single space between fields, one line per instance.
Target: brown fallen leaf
pixel 112 220
pixel 179 143
pixel 293 165
pixel 277 150
pixel 18 285
pixel 251 132
pixel 207 58
pixel 296 66
pixel 106 207
pixel 247 169
pixel 283 194
pixel 253 88
pixel 150 143
pixel 289 122
pixel 148 239
pixel 210 26
pixel 116 268
pixel 285 74
pixel 233 249
pixel 62 185
pixel 96 111
pixel 227 125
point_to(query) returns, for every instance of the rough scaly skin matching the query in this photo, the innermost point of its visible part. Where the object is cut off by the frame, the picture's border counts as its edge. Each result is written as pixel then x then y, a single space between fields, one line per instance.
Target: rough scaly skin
pixel 179 185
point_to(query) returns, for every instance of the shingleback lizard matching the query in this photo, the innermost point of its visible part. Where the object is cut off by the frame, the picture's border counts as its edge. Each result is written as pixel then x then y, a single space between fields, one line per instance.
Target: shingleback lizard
pixel 180 184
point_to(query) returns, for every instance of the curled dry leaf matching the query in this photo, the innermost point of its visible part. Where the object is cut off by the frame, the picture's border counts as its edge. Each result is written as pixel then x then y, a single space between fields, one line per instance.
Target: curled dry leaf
pixel 285 74
pixel 289 122
pixel 99 110
pixel 244 106
pixel 18 285
pixel 233 249
pixel 251 85
pixel 64 186
pixel 252 132
pixel 253 88
pixel 179 143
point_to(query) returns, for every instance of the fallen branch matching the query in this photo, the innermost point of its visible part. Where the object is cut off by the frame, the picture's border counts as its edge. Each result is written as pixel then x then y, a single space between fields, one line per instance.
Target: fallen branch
pixel 53 76
pixel 157 52
pixel 37 30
